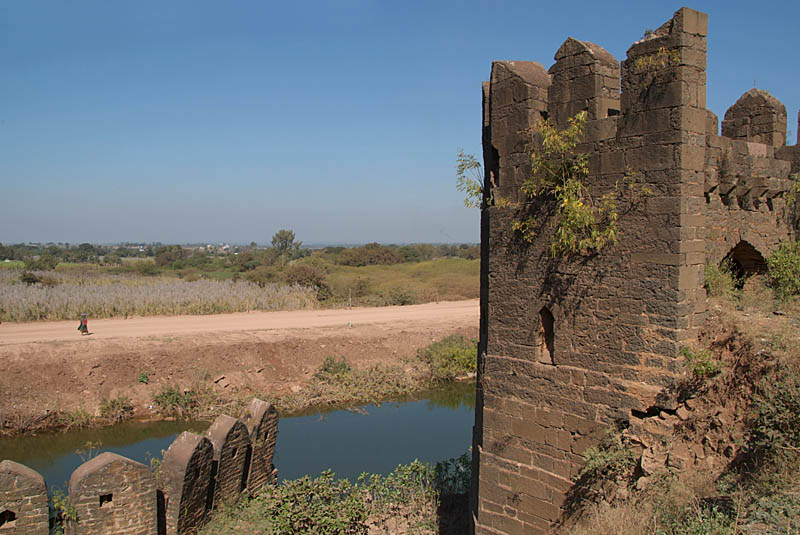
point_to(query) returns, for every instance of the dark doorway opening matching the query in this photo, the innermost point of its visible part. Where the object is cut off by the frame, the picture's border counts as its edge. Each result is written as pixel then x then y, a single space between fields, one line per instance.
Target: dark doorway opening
pixel 744 261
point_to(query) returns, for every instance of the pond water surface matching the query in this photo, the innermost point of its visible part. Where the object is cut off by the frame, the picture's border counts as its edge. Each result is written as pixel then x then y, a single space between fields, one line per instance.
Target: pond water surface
pixel 375 439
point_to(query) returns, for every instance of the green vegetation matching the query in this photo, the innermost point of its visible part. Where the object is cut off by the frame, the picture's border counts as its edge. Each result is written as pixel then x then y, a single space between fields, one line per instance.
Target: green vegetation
pixel 172 401
pixel 776 420
pixel 702 364
pixel 408 500
pixel 580 223
pixel 451 358
pixel 75 418
pixel 469 179
pixel 62 510
pixel 336 382
pixel 782 280
pixel 143 378
pixel 720 280
pixel 784 270
pixel 613 458
pixel 116 410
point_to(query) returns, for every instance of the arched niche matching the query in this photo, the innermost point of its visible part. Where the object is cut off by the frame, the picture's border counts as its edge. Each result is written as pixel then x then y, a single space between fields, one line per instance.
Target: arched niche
pixel 745 261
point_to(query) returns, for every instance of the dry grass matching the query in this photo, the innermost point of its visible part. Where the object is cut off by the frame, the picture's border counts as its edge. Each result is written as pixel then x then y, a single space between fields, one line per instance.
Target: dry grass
pixel 101 296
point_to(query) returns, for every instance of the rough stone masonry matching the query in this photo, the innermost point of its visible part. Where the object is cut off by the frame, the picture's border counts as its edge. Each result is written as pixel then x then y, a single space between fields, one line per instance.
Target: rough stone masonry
pixel 569 346
pixel 110 494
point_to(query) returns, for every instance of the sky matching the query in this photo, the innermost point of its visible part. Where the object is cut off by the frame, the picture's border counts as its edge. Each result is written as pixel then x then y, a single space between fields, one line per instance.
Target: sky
pixel 198 121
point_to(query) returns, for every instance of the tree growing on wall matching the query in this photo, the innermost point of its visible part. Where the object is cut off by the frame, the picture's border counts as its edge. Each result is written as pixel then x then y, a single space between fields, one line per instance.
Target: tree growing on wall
pixel 469 179
pixel 581 224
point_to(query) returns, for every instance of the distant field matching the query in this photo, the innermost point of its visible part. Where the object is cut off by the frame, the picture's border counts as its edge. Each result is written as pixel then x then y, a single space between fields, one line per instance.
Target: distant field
pixel 445 279
pixel 72 288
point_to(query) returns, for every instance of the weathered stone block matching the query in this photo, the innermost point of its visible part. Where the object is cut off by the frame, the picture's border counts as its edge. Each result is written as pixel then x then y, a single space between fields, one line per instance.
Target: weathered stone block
pixel 23 501
pixel 185 481
pixel 232 453
pixel 262 424
pixel 112 494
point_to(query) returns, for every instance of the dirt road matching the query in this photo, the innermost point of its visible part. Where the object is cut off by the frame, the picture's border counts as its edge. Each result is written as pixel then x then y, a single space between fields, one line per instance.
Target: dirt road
pixel 106 329
pixel 49 366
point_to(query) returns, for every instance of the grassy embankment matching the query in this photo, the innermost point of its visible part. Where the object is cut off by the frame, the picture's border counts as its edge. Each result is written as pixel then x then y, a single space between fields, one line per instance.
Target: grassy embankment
pixel 336 383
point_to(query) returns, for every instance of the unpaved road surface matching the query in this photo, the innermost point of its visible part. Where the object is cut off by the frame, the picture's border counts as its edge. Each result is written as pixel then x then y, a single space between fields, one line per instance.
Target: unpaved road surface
pixel 107 329
pixel 49 366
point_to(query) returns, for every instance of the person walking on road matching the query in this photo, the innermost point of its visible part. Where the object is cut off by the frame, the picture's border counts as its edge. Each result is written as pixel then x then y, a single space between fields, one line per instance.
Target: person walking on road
pixel 83 327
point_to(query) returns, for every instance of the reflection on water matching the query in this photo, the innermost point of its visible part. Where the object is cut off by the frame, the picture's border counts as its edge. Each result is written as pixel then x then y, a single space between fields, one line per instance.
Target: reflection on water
pixel 56 455
pixel 435 426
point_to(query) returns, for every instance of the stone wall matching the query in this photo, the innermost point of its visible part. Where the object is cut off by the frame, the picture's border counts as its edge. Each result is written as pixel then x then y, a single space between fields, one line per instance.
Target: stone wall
pixel 569 346
pixel 114 495
pixel 23 500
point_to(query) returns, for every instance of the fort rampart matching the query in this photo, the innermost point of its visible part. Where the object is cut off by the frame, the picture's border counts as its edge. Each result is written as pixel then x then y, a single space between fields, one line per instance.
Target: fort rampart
pixel 110 494
pixel 571 345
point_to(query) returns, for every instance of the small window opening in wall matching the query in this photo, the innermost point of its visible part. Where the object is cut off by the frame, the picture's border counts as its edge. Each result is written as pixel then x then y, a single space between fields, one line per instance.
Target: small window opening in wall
pixel 770 205
pixel 612 112
pixel 544 115
pixel 266 435
pixel 546 337
pixel 234 451
pixel 106 500
pixel 7 519
pixel 708 198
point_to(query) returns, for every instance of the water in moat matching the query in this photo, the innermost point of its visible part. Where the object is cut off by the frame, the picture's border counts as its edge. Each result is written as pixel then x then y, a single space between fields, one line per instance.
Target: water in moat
pixel 435 426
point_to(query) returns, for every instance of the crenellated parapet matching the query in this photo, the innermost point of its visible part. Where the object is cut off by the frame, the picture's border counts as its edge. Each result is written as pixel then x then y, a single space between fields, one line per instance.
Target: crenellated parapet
pixel 571 345
pixel 758 117
pixel 111 494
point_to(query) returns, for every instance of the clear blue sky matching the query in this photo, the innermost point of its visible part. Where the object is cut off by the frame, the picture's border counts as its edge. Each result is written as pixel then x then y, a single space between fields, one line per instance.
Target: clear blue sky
pixel 219 121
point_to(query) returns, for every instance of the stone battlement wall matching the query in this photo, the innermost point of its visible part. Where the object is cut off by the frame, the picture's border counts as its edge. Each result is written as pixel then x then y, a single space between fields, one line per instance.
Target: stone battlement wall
pixel 114 495
pixel 571 345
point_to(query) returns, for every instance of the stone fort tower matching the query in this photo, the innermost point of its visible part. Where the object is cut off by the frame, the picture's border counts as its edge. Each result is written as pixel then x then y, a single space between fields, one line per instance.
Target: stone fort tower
pixel 571 345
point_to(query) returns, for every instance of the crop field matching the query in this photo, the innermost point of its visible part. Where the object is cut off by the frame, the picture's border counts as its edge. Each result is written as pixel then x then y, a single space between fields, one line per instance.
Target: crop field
pixel 64 295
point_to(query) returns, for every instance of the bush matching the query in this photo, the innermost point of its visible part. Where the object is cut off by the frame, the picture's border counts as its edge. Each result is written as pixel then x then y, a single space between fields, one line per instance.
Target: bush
pixel 332 370
pixel 720 280
pixel 29 278
pixel 451 357
pixel 171 401
pixel 45 262
pixel 399 296
pixel 145 267
pixel 702 364
pixel 784 270
pixel 320 505
pixel 262 275
pixel 312 276
pixel 189 274
pixel 613 458
pixel 116 409
pixel 775 427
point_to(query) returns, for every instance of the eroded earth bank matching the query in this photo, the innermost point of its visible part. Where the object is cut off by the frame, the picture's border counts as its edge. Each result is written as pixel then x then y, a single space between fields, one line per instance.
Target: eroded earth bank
pixel 52 375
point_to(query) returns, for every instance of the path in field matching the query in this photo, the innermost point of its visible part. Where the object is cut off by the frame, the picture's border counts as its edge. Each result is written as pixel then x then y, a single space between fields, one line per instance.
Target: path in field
pixel 56 331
